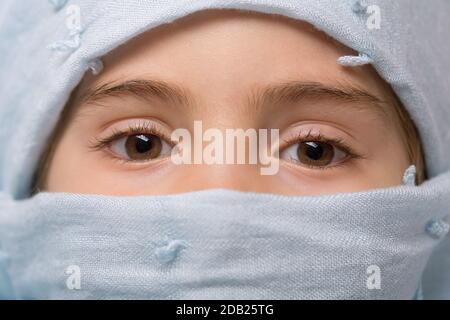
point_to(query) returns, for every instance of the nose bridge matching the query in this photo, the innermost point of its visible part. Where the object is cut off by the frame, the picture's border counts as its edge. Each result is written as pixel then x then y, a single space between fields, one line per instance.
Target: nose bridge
pixel 226 154
pixel 240 177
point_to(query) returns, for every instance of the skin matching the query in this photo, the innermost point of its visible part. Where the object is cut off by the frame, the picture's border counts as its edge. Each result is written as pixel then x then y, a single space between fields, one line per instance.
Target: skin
pixel 221 59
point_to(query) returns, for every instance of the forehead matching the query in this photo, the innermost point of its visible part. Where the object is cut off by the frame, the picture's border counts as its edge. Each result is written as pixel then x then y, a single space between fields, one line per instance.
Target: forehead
pixel 223 55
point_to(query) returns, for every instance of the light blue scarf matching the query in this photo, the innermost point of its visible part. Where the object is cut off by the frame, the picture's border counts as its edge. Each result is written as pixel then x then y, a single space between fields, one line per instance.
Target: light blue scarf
pixel 220 244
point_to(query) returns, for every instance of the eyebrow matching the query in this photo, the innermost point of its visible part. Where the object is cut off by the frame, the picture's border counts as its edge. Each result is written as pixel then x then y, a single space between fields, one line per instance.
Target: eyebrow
pixel 286 92
pixel 145 89
pixel 296 91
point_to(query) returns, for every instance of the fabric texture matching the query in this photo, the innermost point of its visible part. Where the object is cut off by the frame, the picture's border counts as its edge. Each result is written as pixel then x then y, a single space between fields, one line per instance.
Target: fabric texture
pixel 221 244
pixel 42 61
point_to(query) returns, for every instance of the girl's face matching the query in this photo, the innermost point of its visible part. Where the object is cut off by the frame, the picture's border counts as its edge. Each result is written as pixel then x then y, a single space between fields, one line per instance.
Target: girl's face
pixel 337 126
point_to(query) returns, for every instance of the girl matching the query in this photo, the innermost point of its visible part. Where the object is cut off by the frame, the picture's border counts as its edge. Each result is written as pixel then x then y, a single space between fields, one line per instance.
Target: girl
pixel 93 204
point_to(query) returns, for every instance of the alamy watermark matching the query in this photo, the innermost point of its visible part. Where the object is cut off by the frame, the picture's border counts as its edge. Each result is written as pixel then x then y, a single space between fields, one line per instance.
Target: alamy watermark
pixel 73 281
pixel 373 281
pixel 234 146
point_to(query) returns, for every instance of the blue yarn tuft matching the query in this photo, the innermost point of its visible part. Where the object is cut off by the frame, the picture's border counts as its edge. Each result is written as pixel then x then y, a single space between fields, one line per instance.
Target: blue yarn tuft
pixel 409 177
pixel 355 61
pixel 170 250
pixel 437 228
pixel 360 6
pixel 96 66
pixel 58 4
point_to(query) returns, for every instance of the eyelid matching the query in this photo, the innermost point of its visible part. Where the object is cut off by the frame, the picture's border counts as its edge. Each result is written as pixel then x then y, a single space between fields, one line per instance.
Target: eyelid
pixel 141 127
pixel 318 136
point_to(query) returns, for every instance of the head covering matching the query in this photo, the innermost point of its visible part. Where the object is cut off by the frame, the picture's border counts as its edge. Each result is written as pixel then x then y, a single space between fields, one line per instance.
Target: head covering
pixel 44 56
pixel 371 245
pixel 43 60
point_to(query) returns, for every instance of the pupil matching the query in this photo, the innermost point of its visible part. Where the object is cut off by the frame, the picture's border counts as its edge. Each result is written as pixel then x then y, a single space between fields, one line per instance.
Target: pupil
pixel 314 151
pixel 143 144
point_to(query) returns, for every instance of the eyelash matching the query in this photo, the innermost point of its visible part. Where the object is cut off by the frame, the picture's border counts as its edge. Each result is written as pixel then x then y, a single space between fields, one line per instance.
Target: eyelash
pixel 149 128
pixel 141 128
pixel 336 142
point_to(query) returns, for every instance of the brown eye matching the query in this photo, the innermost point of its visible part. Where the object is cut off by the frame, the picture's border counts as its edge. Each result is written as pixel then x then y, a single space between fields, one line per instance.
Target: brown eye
pixel 140 147
pixel 314 153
